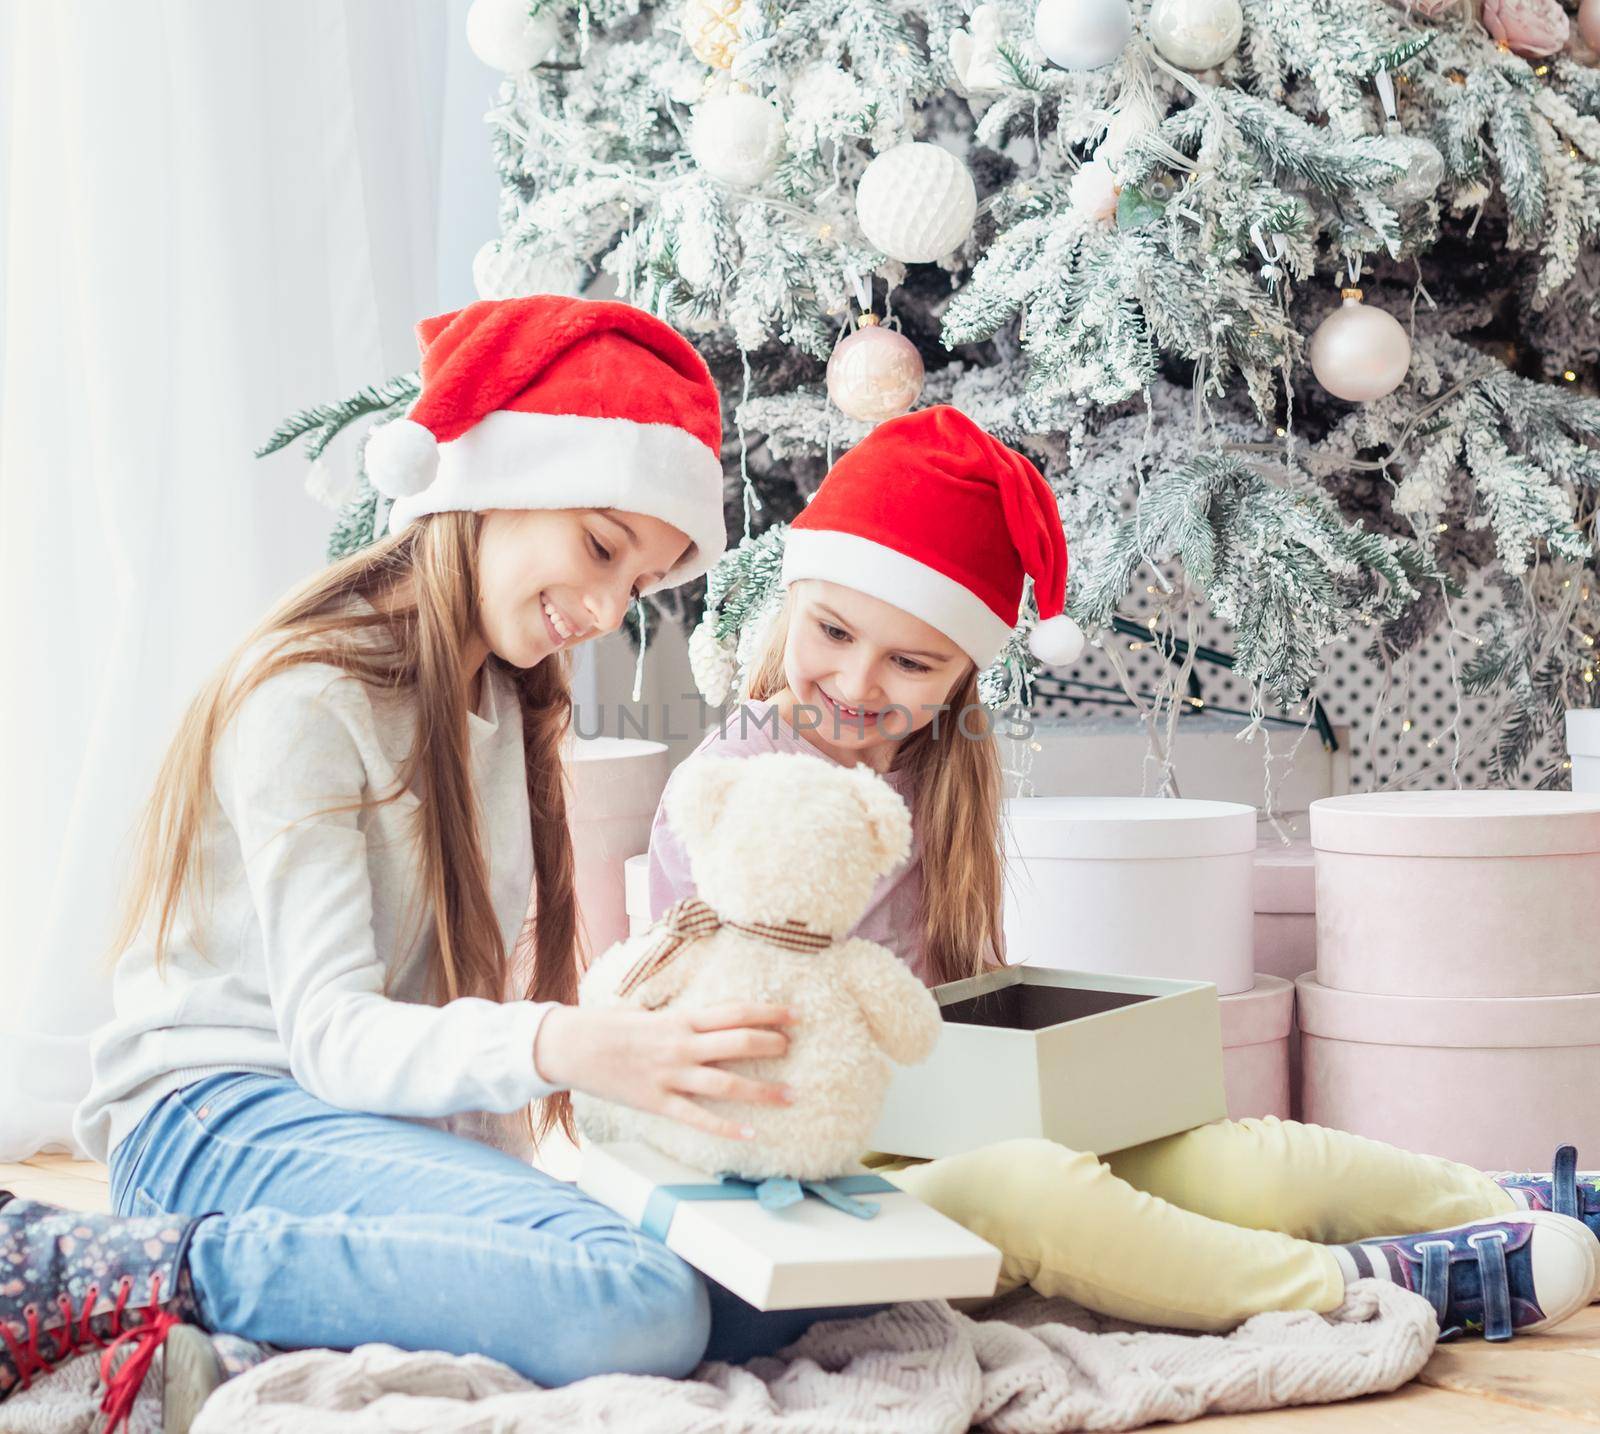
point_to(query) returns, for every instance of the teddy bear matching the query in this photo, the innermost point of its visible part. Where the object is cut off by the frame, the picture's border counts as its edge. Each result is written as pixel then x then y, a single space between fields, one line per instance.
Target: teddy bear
pixel 785 850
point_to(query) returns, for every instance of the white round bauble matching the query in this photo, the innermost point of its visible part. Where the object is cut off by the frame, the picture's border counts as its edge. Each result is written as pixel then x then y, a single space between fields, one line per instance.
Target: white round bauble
pixel 737 138
pixel 1082 34
pixel 875 373
pixel 1092 195
pixel 1424 169
pixel 712 29
pixel 504 36
pixel 916 202
pixel 1195 34
pixel 1359 353
pixel 512 272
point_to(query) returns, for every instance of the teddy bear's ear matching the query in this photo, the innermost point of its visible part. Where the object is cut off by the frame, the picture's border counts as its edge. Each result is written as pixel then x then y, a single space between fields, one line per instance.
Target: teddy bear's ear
pixel 697 794
pixel 887 817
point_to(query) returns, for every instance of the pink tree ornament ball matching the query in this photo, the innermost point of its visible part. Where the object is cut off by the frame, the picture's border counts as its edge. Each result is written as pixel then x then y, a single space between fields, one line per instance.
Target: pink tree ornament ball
pixel 1359 353
pixel 1589 23
pixel 1530 28
pixel 874 373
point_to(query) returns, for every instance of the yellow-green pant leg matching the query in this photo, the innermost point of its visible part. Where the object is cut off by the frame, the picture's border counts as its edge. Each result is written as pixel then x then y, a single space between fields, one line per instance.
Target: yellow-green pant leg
pixel 1308 1181
pixel 1067 1226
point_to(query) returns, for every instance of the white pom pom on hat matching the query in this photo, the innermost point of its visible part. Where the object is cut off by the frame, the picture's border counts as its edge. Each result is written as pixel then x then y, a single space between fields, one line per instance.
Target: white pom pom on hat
pixel 1057 641
pixel 402 458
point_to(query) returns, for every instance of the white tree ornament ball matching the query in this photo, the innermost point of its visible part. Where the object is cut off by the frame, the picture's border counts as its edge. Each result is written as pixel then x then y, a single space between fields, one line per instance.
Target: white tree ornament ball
pixel 1424 169
pixel 506 37
pixel 737 138
pixel 501 271
pixel 916 202
pixel 1359 353
pixel 1082 34
pixel 1195 34
pixel 875 373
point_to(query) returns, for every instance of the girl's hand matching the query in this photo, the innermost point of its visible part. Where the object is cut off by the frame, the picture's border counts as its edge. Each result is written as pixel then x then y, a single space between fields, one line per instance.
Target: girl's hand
pixel 657 1060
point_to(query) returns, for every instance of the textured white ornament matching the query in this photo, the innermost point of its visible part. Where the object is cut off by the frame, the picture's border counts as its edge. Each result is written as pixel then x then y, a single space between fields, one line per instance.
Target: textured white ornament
pixel 712 29
pixel 1424 168
pixel 711 663
pixel 505 37
pixel 737 138
pixel 401 458
pixel 1359 353
pixel 916 202
pixel 874 373
pixel 332 485
pixel 1092 195
pixel 1057 641
pixel 1195 34
pixel 1135 116
pixel 501 271
pixel 975 53
pixel 1082 34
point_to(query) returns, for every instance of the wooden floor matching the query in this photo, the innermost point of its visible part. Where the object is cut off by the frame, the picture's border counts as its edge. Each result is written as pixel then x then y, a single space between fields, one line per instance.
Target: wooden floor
pixel 1537 1385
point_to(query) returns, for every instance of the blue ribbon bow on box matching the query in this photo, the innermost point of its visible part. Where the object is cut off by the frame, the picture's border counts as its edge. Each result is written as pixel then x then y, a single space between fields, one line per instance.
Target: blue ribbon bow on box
pixel 777 1193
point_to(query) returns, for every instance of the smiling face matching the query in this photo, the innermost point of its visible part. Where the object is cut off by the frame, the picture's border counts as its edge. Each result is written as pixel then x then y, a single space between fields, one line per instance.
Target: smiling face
pixel 861 675
pixel 549 579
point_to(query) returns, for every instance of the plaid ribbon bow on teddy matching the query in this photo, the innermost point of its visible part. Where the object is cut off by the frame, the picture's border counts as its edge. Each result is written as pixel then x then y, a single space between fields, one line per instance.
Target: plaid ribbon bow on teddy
pixel 690 919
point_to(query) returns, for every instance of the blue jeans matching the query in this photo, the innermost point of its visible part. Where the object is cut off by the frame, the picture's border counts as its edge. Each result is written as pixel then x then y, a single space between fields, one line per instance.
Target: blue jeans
pixel 337 1228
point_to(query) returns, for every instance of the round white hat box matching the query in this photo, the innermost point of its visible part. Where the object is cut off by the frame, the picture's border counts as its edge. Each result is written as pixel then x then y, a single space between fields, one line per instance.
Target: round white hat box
pixel 1133 886
pixel 616 784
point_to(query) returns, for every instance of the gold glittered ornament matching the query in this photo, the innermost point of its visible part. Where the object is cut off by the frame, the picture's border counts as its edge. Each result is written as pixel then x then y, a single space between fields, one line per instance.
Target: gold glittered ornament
pixel 712 29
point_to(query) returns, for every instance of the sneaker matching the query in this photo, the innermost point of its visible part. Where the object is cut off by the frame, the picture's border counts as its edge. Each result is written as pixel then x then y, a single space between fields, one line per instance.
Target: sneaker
pixel 1564 1189
pixel 1509 1274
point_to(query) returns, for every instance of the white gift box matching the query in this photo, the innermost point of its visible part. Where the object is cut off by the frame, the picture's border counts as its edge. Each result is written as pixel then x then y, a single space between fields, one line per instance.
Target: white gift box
pixel 806 1255
pixel 1093 1062
pixel 1143 886
pixel 1583 747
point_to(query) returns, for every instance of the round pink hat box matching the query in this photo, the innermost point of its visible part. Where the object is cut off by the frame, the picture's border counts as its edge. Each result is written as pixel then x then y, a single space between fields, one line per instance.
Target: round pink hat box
pixel 1132 886
pixel 1496 1084
pixel 616 784
pixel 1286 907
pixel 1465 894
pixel 1255 1048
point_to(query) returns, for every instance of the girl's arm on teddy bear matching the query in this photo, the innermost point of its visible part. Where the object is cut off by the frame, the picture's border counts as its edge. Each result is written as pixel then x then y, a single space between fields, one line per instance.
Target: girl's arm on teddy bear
pixel 899 1010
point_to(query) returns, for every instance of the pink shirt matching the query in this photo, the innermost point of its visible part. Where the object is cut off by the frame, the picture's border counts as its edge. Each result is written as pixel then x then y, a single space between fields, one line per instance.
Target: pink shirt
pixel 893 917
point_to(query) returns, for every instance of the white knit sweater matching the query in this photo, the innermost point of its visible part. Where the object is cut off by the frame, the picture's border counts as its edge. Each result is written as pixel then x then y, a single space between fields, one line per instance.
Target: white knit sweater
pixel 304 918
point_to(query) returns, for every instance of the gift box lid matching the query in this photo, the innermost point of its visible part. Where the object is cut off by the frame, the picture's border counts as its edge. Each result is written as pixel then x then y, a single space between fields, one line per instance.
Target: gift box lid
pixel 1478 823
pixel 1285 876
pixel 1127 828
pixel 1263 1013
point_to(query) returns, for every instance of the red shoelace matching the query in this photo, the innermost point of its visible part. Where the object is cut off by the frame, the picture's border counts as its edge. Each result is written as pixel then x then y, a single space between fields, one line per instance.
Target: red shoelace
pixel 143 1338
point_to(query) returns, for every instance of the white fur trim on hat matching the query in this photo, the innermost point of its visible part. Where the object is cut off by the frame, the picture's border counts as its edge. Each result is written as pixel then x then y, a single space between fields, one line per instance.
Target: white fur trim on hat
pixel 561 460
pixel 892 577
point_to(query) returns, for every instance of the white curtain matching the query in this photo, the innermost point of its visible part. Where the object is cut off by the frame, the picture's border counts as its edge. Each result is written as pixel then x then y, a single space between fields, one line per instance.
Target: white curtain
pixel 213 214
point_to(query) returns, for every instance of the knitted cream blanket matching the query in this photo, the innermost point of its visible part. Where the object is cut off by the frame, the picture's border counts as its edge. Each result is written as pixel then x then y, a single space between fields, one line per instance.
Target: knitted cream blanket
pixel 1031 1366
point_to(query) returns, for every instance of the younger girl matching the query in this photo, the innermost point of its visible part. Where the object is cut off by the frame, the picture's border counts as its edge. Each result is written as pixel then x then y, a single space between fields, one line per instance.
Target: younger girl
pixel 904 574
pixel 314 974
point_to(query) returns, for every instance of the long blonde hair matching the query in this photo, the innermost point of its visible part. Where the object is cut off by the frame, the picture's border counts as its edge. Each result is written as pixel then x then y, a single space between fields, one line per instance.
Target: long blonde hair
pixel 955 796
pixel 423 584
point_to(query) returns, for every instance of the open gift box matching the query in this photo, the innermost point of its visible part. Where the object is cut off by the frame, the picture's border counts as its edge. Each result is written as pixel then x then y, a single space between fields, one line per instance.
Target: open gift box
pixel 1094 1062
pixel 807 1254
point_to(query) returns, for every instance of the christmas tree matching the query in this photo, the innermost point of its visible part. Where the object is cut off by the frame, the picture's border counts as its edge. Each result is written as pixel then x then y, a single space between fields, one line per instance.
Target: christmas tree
pixel 1293 301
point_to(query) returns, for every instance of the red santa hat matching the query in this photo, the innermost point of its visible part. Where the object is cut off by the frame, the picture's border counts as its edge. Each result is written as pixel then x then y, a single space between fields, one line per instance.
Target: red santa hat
pixel 935 516
pixel 554 402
